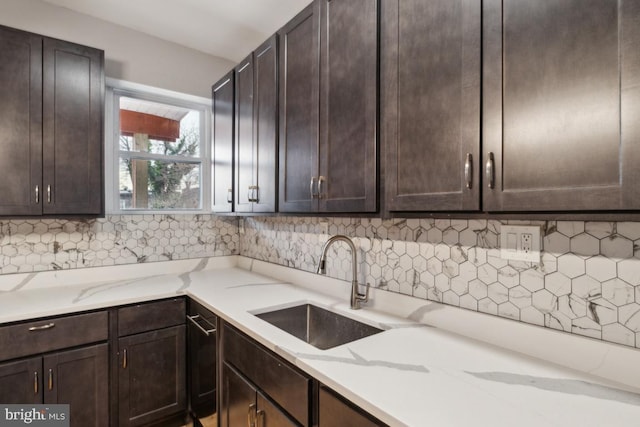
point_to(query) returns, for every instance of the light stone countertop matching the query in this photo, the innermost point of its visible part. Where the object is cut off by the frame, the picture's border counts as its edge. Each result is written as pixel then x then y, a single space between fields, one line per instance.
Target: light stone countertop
pixel 411 374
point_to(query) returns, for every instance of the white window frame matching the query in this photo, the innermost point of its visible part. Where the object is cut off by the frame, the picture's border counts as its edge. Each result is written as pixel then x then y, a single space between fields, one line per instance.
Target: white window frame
pixel 117 88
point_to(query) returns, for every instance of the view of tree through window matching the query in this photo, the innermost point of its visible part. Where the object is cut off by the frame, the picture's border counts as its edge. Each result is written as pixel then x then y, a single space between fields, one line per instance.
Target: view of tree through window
pixel 160 156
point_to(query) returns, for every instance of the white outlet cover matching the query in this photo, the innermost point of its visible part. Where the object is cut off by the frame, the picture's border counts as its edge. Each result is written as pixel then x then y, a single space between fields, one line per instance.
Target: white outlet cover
pixel 511 243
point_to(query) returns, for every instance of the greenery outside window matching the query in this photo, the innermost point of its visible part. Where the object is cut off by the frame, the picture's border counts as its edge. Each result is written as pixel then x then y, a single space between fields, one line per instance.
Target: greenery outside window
pixel 160 147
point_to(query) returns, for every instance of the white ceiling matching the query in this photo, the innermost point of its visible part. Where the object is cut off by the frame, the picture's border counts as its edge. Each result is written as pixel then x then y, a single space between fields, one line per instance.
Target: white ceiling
pixel 226 28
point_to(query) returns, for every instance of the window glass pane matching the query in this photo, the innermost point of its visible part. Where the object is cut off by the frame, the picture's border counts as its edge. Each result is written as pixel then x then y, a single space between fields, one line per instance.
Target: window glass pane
pixel 155 184
pixel 157 128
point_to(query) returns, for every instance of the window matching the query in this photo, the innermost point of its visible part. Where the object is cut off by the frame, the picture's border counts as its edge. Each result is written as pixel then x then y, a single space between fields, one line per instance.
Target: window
pixel 159 152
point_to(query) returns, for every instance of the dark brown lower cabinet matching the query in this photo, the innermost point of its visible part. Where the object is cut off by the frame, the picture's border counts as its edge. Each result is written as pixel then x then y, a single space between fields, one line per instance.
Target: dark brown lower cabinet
pixel 334 410
pixel 77 377
pixel 152 377
pixel 21 381
pixel 243 404
pixel 202 360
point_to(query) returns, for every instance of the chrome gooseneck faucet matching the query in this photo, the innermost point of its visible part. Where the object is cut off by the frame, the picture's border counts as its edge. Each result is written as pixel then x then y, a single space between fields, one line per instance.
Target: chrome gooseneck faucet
pixel 356 296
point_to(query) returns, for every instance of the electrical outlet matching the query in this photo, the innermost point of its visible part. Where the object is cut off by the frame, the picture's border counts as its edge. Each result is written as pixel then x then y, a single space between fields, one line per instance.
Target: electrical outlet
pixel 525 245
pixel 520 243
pixel 324 227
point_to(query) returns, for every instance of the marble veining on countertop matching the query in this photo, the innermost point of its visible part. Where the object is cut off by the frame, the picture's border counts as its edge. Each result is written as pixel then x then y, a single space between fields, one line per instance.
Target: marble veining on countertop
pixel 411 374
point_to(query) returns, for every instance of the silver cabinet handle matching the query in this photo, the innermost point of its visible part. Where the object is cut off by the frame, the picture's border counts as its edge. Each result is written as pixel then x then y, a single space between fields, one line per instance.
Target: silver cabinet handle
pixel 48 194
pixel 311 187
pixel 195 319
pixel 321 179
pixel 489 172
pixel 50 379
pixel 42 328
pixel 260 415
pixel 253 194
pixel 37 194
pixel 35 382
pixel 468 170
pixel 230 195
pixel 251 415
pixel 124 359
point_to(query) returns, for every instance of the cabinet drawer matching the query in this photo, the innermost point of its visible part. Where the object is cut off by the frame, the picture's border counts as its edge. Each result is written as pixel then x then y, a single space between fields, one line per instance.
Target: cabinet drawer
pixel 288 387
pixel 150 316
pixel 52 334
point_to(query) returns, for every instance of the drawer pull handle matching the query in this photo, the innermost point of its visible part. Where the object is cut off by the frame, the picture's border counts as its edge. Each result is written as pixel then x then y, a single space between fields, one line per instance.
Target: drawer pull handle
pixel 48 194
pixel 124 359
pixel 260 418
pixel 251 415
pixel 37 194
pixel 42 328
pixel 196 319
pixel 230 195
pixel 35 382
pixel 50 379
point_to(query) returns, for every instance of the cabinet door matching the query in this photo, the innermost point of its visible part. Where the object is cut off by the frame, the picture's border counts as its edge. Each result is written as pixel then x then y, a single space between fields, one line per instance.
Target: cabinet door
pixel 20 123
pixel 334 411
pixel 202 368
pixel 269 415
pixel 21 381
pixel 430 89
pixel 265 125
pixel 244 136
pixel 238 399
pixel 348 105
pixel 222 143
pixel 151 381
pixel 561 104
pixel 80 378
pixel 72 128
pixel 298 111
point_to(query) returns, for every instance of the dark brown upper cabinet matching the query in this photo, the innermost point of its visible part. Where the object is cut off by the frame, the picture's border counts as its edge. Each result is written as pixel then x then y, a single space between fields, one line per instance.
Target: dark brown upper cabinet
pixel 298 110
pixel 222 96
pixel 256 142
pixel 51 126
pixel 430 104
pixel 561 105
pixel 328 108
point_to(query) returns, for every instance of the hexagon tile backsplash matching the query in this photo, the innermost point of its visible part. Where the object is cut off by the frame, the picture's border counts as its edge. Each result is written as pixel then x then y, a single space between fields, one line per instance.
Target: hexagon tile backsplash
pixel 587 283
pixel 40 245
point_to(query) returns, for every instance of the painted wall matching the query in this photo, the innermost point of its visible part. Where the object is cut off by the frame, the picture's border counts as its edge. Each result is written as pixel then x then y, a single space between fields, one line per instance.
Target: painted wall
pixel 130 55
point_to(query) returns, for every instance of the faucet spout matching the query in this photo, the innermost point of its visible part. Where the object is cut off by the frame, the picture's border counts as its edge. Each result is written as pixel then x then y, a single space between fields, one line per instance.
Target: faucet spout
pixel 356 296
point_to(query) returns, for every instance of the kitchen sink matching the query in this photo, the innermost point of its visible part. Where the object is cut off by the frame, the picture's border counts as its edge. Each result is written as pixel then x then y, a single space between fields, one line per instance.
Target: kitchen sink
pixel 321 328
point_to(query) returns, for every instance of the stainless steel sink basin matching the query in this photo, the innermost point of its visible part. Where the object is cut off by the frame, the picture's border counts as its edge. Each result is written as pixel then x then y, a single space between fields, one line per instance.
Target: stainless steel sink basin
pixel 321 328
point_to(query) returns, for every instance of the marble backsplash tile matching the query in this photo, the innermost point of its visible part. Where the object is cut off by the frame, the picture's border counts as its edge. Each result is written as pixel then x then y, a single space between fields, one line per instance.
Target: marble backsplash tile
pixel 42 245
pixel 587 283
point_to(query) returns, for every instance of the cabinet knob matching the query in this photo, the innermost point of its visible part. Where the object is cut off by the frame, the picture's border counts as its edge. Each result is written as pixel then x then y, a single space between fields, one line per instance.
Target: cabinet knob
pixel 468 170
pixel 489 171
